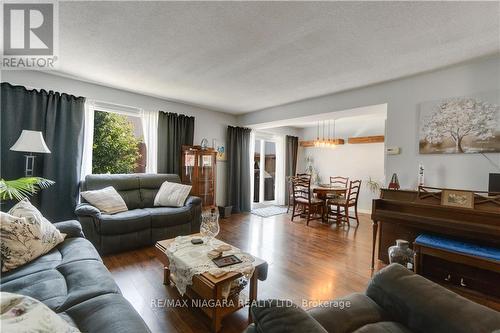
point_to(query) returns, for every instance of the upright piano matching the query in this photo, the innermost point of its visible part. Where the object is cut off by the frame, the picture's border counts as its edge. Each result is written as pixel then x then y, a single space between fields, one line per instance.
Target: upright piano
pixel 402 214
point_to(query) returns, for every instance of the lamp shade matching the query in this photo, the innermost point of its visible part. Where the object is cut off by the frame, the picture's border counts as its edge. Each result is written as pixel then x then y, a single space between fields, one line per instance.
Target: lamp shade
pixel 32 142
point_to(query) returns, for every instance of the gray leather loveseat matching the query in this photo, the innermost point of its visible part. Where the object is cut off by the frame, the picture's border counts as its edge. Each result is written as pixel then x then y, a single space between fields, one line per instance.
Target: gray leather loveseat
pixel 143 224
pixel 396 301
pixel 72 281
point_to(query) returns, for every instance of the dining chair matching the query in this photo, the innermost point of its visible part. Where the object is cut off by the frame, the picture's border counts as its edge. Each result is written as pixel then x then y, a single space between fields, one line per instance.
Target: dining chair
pixel 304 203
pixel 342 205
pixel 290 188
pixel 338 181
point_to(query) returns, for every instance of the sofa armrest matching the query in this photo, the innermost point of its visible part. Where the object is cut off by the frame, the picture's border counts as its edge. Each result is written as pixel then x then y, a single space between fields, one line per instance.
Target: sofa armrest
pixel 90 220
pixel 71 228
pixel 192 201
pixel 85 209
pixel 194 204
pixel 275 316
pixel 424 306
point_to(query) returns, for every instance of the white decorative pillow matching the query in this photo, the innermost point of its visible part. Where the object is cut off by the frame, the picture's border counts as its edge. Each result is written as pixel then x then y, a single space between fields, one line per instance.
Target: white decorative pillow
pixel 24 208
pixel 21 313
pixel 25 235
pixel 172 194
pixel 107 200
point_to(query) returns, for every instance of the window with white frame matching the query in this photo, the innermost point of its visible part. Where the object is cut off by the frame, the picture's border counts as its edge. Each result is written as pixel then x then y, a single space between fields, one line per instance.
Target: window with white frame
pixel 118 140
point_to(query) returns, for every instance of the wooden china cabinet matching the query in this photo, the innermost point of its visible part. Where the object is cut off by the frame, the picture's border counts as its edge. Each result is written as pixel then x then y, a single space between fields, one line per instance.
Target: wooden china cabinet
pixel 199 169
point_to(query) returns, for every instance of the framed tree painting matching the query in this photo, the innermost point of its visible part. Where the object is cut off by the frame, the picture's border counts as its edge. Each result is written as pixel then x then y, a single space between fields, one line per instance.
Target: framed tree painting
pixel 460 125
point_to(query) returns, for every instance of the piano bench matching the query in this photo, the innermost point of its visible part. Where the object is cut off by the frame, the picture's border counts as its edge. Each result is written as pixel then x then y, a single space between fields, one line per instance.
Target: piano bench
pixel 461 265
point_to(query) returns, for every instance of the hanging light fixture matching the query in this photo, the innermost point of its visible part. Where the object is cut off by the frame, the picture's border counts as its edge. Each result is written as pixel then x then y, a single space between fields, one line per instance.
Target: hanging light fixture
pixel 326 141
pixel 323 143
pixel 333 142
pixel 317 142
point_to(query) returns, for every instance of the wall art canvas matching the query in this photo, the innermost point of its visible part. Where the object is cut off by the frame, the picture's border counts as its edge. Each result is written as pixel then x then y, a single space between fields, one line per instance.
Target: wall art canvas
pixel 469 124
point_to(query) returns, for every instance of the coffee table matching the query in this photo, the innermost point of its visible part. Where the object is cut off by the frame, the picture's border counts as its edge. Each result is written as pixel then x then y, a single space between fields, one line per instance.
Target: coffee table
pixel 208 289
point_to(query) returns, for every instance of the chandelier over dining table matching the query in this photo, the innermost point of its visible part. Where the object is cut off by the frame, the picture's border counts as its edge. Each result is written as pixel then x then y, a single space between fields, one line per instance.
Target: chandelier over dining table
pixel 325 141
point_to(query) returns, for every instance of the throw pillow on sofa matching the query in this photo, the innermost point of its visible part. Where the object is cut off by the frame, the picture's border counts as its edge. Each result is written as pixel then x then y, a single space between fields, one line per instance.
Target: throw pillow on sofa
pixel 21 313
pixel 24 208
pixel 172 194
pixel 25 235
pixel 107 200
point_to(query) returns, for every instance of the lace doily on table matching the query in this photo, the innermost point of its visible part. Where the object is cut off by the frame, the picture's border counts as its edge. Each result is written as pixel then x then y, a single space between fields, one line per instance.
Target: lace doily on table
pixel 187 260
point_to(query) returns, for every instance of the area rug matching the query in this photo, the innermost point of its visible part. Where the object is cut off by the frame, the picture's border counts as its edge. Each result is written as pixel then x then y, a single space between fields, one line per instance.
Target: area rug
pixel 269 211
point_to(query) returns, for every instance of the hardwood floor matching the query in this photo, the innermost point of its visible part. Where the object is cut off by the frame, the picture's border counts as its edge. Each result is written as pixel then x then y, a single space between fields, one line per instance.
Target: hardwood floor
pixel 311 263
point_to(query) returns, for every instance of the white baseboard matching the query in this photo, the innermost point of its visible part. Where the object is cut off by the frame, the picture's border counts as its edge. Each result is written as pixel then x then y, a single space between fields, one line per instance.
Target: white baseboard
pixel 364 211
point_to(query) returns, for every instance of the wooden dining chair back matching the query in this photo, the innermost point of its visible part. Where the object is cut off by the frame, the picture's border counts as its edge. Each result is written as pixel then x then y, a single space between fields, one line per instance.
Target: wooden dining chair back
pixel 353 193
pixel 339 207
pixel 301 188
pixel 304 203
pixel 290 188
pixel 338 181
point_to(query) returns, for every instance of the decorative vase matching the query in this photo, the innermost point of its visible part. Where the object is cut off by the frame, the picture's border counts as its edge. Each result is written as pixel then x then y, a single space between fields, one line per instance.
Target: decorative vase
pixel 401 253
pixel 209 227
pixel 204 144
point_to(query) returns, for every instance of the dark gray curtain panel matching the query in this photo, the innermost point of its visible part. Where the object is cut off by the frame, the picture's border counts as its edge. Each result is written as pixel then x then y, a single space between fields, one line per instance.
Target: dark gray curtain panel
pixel 292 145
pixel 174 130
pixel 238 168
pixel 60 117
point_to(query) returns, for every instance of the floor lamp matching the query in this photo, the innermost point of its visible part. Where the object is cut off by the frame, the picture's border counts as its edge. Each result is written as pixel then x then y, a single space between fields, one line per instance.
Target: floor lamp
pixel 30 142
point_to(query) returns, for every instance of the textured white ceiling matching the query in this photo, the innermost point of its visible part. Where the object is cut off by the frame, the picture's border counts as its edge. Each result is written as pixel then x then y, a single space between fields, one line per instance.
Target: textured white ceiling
pixel 245 56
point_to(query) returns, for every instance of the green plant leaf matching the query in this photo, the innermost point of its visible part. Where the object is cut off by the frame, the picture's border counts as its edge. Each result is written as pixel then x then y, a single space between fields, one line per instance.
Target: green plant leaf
pixel 21 188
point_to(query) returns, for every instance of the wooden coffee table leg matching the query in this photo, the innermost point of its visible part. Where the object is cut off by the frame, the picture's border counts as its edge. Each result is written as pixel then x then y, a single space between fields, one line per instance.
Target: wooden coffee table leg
pixel 216 310
pixel 216 324
pixel 166 276
pixel 253 294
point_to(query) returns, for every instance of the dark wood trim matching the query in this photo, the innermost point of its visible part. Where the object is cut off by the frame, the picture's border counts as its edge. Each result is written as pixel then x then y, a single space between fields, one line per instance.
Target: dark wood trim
pixel 366 139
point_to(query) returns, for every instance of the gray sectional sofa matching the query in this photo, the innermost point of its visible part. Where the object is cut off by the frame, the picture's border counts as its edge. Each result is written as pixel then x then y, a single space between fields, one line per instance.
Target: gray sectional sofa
pixel 143 224
pixel 72 281
pixel 396 301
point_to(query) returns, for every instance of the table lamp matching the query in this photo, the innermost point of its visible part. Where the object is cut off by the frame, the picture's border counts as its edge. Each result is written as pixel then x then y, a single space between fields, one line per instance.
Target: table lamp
pixel 30 142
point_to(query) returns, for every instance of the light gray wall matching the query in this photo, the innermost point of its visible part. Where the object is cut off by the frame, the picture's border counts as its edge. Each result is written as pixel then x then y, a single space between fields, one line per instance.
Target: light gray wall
pixel 208 124
pixel 403 96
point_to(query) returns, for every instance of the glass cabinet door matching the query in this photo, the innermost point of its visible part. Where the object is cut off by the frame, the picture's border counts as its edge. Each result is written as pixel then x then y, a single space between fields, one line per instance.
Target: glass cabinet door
pixel 207 178
pixel 188 167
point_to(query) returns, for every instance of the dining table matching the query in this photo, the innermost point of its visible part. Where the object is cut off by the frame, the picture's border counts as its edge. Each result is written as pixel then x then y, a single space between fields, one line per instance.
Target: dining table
pixel 325 192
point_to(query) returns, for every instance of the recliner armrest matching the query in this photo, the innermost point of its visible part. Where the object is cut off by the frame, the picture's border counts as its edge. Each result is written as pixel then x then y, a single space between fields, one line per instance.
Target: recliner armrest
pixel 425 306
pixel 71 228
pixel 192 201
pixel 194 204
pixel 85 209
pixel 275 316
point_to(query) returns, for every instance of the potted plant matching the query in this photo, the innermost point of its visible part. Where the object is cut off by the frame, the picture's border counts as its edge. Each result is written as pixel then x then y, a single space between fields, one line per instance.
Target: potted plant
pixel 373 185
pixel 21 188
